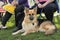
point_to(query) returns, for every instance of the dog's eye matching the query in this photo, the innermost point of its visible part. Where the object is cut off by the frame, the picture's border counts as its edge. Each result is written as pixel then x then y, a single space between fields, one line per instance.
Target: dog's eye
pixel 29 14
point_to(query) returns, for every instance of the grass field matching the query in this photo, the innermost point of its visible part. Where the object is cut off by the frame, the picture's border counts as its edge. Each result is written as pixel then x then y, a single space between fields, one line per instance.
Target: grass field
pixel 7 33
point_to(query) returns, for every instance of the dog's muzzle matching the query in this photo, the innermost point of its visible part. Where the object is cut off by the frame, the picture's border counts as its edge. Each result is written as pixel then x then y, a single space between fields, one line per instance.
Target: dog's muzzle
pixel 31 17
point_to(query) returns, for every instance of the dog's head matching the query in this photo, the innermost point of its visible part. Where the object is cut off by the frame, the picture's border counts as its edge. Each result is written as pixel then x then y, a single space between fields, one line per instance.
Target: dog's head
pixel 30 13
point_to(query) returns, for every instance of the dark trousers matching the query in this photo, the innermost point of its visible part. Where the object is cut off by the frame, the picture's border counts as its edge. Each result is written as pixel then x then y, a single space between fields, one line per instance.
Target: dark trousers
pixel 0 15
pixel 5 18
pixel 19 16
pixel 48 11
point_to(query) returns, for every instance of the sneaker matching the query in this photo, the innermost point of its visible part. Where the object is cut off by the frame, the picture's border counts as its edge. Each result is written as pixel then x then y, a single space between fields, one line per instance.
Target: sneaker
pixel 16 31
pixel 3 27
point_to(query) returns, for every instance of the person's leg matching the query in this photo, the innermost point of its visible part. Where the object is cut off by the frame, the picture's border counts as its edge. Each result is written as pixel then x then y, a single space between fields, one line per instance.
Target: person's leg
pixel 5 18
pixel 38 10
pixel 19 16
pixel 0 15
pixel 49 11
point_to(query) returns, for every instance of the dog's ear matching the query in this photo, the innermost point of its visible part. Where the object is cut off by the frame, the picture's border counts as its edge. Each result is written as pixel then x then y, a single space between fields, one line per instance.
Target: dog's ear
pixel 26 10
pixel 35 9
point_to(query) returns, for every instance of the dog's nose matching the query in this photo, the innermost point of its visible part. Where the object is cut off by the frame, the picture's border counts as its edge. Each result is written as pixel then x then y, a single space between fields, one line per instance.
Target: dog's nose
pixel 31 17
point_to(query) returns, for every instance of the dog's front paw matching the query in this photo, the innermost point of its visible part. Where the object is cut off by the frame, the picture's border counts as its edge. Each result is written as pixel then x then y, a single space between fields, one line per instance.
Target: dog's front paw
pixel 23 34
pixel 14 33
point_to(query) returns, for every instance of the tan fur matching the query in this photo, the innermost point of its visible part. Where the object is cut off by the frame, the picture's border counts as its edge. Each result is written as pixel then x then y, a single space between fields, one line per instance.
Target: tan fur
pixel 47 27
pixel 28 26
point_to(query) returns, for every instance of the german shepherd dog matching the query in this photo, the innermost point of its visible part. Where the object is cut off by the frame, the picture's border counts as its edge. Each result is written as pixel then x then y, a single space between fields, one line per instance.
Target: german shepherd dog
pixel 30 23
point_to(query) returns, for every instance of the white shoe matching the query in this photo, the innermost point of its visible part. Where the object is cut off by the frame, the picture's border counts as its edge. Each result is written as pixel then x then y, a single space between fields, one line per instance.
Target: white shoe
pixel 18 31
pixel 2 27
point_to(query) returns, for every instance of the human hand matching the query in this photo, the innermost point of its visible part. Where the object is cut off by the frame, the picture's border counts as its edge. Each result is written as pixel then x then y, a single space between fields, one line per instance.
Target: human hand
pixel 14 3
pixel 43 5
pixel 40 5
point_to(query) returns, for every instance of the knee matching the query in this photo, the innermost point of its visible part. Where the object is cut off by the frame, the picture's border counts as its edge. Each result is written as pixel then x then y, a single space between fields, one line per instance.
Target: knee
pixel 50 7
pixel 19 9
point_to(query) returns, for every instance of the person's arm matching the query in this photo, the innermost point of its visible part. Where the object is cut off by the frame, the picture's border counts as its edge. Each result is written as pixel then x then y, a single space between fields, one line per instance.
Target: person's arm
pixel 36 1
pixel 49 1
pixel 43 5
pixel 14 2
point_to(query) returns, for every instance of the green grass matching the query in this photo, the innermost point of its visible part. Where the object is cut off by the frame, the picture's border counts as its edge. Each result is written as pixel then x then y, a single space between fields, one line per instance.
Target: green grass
pixel 7 33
